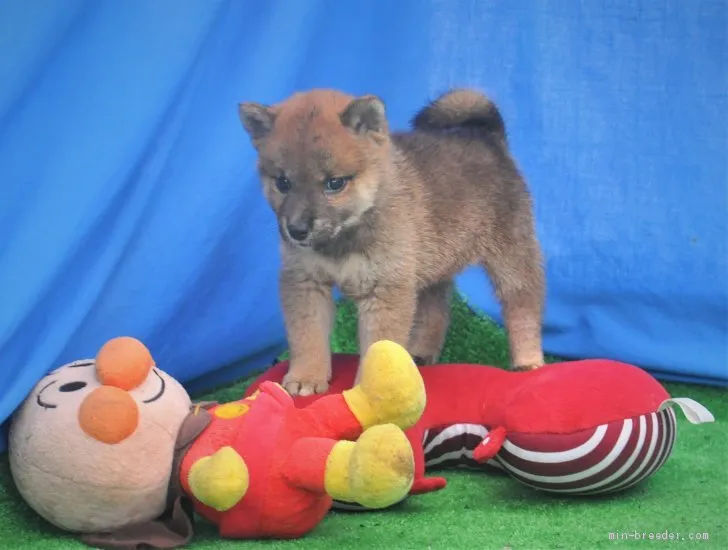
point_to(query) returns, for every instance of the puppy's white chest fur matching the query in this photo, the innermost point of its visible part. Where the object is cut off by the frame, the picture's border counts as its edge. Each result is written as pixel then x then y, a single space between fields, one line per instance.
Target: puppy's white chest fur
pixel 354 274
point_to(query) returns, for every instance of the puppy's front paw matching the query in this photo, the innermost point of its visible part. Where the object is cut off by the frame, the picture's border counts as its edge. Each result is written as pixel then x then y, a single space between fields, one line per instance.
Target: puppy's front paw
pixel 296 384
pixel 526 368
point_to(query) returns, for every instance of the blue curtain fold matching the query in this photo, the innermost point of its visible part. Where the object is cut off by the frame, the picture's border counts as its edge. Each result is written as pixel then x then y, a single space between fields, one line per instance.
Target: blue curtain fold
pixel 129 202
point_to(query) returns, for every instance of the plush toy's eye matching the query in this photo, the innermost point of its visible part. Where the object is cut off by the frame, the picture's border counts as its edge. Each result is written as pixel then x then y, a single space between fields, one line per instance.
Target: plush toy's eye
pixel 161 387
pixel 72 386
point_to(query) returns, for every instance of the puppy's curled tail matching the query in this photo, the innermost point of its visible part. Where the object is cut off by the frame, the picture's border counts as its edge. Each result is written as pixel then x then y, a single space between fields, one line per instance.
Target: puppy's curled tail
pixel 461 108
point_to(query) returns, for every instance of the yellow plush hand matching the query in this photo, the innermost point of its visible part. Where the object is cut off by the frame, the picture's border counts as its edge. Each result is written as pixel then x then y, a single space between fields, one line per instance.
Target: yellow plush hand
pixel 221 480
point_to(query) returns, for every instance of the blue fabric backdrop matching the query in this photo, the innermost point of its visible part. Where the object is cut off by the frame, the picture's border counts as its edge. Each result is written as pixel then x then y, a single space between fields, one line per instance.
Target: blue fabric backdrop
pixel 129 202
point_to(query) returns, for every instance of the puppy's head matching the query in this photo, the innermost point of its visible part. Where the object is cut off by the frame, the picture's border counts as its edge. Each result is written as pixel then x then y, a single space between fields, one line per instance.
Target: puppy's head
pixel 320 156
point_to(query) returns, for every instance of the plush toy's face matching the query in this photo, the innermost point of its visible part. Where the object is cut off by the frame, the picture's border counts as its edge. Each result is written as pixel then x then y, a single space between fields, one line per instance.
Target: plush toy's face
pixel 91 447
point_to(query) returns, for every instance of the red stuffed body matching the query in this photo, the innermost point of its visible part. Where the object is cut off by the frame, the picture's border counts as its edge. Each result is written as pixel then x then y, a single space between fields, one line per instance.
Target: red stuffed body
pixel 581 427
pixel 274 503
pixel 261 467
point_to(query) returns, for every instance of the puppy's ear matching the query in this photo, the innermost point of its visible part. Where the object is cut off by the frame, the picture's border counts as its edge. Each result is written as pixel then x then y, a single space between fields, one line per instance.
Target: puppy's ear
pixel 365 114
pixel 257 119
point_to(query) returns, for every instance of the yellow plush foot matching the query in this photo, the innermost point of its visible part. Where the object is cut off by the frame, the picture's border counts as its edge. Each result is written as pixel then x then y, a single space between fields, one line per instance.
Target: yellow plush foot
pixel 376 471
pixel 221 480
pixel 390 389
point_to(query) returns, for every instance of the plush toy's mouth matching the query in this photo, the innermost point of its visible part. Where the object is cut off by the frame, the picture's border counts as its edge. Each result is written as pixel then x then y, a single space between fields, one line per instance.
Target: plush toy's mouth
pixel 39 399
pixel 160 393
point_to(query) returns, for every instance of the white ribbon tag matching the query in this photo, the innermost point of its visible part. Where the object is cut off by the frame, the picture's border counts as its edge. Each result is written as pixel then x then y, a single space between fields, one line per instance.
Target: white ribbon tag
pixel 693 411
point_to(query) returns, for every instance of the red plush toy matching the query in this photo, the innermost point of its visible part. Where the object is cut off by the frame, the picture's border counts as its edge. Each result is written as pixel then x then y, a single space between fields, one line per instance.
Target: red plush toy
pixel 112 449
pixel 581 427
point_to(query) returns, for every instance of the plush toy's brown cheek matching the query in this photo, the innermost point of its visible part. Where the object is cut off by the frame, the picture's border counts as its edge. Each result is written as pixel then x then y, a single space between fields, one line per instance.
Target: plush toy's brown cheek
pixel 109 415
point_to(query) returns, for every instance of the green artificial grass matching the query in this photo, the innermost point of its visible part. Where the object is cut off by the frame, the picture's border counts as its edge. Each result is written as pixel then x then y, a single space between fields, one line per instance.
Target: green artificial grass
pixel 487 511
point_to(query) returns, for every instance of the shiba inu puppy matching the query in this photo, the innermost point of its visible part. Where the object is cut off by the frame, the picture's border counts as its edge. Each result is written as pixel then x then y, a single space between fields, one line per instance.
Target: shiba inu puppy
pixel 390 218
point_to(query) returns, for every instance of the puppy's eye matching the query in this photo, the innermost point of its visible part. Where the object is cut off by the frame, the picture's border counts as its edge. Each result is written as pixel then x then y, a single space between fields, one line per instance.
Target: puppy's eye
pixel 283 184
pixel 334 185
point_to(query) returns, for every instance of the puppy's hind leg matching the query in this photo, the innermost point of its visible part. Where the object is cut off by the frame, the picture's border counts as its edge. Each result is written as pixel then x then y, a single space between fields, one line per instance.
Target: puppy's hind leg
pixel 431 323
pixel 517 275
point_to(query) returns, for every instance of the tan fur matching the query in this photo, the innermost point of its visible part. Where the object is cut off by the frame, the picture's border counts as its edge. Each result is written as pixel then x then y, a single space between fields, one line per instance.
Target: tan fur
pixel 419 207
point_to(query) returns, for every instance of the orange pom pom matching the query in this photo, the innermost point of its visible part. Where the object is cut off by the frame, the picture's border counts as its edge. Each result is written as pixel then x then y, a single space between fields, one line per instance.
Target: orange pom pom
pixel 109 415
pixel 124 363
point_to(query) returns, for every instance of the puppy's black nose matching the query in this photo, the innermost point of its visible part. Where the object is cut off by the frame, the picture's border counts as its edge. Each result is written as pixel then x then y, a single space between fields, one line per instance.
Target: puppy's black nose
pixel 298 231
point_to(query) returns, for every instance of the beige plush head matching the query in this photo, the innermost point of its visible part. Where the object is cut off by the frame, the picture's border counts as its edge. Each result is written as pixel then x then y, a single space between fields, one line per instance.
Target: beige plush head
pixel 91 448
